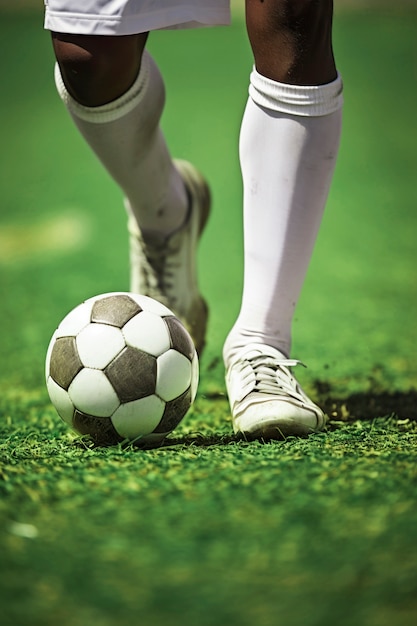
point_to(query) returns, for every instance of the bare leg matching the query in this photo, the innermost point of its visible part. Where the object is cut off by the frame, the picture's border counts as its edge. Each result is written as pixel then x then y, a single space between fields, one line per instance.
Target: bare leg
pixel 291 40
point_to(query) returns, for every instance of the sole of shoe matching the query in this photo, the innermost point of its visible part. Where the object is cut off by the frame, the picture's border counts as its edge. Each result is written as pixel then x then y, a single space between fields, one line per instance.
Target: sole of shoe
pixel 277 431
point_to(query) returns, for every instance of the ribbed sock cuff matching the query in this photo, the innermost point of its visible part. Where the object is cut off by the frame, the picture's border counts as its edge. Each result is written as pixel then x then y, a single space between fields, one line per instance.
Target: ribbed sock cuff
pixel 307 101
pixel 113 110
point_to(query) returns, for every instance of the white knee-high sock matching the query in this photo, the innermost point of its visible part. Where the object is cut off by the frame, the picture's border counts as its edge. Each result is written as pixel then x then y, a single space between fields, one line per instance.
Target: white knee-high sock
pixel 126 137
pixel 288 146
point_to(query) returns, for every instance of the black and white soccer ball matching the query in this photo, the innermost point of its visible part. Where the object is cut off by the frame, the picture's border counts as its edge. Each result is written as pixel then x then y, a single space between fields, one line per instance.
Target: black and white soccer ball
pixel 121 366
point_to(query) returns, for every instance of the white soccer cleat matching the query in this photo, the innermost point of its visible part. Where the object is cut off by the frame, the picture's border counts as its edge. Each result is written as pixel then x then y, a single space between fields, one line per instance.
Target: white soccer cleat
pixel 165 267
pixel 266 400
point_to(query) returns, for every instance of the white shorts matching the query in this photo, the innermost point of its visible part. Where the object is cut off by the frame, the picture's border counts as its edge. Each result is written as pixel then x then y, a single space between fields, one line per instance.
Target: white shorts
pixel 128 17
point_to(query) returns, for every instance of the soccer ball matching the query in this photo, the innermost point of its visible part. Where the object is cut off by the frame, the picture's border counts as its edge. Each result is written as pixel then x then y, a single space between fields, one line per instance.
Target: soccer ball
pixel 121 366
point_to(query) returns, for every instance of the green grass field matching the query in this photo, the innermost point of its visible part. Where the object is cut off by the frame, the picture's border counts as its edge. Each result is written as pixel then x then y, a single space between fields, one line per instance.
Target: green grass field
pixel 211 530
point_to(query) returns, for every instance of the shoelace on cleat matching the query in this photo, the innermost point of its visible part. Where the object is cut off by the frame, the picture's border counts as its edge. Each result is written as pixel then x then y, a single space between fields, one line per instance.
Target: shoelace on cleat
pixel 272 376
pixel 158 266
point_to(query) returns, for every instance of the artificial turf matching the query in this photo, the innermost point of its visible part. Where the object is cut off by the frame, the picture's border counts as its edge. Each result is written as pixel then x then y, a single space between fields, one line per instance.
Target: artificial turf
pixel 210 529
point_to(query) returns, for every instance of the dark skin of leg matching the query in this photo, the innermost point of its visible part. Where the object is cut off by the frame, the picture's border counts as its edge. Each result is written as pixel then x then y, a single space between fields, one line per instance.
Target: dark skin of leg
pixel 290 39
pixel 97 69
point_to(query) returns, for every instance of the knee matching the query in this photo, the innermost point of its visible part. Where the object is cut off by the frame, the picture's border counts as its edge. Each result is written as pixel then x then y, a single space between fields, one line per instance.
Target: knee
pixel 289 35
pixel 308 18
pixel 298 16
pixel 97 69
pixel 311 7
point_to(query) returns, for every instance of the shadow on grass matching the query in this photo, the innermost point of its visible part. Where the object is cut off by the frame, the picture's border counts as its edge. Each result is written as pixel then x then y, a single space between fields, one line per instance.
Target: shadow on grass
pixel 369 405
pixel 357 406
pixel 194 439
